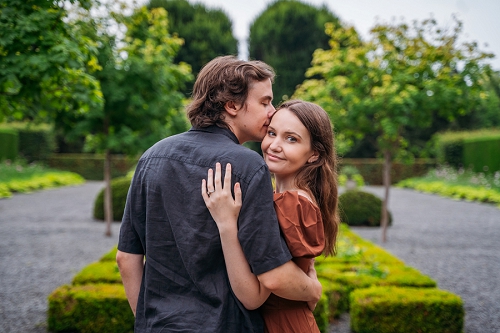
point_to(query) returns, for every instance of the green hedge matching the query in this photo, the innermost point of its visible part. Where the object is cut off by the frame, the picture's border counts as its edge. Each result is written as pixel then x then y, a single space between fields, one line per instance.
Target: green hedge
pixel 371 169
pixel 9 144
pixel 36 141
pixel 119 191
pixel 93 308
pixel 477 150
pixel 393 309
pixel 91 166
pixel 96 302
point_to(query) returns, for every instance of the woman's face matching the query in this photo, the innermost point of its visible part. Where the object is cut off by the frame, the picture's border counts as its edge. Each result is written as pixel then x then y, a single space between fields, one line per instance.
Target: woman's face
pixel 287 144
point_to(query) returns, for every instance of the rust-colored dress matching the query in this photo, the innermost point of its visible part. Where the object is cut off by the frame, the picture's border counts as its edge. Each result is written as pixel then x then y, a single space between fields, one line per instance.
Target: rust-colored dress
pixel 302 226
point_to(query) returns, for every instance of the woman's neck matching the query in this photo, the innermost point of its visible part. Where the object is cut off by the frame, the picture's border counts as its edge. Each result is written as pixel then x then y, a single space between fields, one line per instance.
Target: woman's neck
pixel 285 184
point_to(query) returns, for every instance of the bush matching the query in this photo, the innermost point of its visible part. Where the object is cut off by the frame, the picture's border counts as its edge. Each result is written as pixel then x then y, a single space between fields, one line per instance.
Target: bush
pixel 392 309
pixel 96 301
pixel 359 208
pixel 93 308
pixel 119 191
pixel 9 144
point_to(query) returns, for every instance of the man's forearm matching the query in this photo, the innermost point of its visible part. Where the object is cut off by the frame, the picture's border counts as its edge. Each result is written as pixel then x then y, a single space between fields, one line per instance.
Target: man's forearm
pixel 131 268
pixel 290 282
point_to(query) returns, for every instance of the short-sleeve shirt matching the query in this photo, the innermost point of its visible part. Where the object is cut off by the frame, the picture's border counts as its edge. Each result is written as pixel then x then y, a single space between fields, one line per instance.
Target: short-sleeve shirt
pixel 185 286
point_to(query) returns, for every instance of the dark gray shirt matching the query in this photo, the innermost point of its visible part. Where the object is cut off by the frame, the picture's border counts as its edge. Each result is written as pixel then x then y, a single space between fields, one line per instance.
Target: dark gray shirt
pixel 185 287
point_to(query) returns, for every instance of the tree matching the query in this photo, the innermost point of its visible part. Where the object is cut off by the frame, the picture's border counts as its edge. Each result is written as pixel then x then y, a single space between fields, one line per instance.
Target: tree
pixel 394 83
pixel 43 62
pixel 207 33
pixel 141 88
pixel 285 36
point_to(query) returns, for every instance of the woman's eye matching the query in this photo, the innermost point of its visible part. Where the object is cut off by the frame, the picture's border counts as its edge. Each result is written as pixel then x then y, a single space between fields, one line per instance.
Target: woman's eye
pixel 292 139
pixel 270 133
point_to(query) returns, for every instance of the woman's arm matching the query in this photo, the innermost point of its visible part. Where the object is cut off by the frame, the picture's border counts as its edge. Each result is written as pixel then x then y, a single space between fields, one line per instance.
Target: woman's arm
pixel 225 211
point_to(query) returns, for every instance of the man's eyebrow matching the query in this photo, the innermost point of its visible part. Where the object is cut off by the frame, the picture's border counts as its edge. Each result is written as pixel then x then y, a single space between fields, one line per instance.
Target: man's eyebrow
pixel 270 98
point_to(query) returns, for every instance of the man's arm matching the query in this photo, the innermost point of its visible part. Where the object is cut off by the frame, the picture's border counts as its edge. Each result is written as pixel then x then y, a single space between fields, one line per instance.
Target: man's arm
pixel 131 268
pixel 290 282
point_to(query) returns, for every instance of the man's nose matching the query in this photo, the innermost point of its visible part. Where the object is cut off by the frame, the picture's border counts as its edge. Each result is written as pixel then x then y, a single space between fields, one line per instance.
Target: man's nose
pixel 271 112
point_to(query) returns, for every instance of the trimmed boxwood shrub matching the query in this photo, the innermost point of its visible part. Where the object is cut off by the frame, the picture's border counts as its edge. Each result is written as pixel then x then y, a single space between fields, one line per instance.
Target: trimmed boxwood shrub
pixel 359 208
pixel 93 308
pixel 98 272
pixel 119 191
pixel 392 309
pixel 83 307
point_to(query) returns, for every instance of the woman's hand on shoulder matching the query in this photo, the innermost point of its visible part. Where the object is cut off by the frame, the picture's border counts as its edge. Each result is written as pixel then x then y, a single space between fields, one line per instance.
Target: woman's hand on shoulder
pixel 219 199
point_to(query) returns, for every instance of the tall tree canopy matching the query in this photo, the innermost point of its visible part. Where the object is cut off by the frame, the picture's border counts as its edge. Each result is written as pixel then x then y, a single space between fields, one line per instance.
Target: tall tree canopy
pixel 285 36
pixel 395 83
pixel 207 33
pixel 43 62
pixel 141 85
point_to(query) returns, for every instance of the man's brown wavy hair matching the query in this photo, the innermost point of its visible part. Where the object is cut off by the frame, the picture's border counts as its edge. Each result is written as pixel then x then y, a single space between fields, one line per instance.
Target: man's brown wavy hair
pixel 221 80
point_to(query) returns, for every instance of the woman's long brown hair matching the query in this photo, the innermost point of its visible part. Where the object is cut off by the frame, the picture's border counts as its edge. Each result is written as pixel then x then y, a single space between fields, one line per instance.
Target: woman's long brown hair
pixel 319 177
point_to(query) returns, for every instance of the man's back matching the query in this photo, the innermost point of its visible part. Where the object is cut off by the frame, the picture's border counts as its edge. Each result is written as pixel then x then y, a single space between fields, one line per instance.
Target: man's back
pixel 185 285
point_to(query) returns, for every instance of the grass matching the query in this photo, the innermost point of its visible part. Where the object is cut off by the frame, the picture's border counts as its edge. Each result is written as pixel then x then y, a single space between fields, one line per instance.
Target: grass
pixel 20 170
pixel 21 177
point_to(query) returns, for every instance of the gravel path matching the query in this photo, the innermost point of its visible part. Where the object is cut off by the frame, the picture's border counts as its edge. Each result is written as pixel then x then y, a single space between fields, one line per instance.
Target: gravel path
pixel 47 237
pixel 456 243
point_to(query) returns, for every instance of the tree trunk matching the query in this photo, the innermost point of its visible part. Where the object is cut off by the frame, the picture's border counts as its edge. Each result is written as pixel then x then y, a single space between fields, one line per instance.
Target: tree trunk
pixel 386 176
pixel 108 200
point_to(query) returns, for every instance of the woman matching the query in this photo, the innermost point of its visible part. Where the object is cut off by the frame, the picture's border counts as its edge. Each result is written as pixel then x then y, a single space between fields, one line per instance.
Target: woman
pixel 299 151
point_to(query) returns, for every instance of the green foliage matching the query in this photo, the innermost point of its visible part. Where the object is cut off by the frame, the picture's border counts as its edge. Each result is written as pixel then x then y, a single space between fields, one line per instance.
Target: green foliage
pixel 451 185
pixel 119 191
pixel 36 141
pixel 350 172
pixel 285 36
pixel 143 102
pixel 93 308
pixel 90 166
pixel 404 80
pixel 469 148
pixel 360 208
pixel 21 178
pixel 43 62
pixel 359 264
pixel 110 256
pixel 207 33
pixel 392 309
pixel 371 169
pixel 98 272
pixel 9 144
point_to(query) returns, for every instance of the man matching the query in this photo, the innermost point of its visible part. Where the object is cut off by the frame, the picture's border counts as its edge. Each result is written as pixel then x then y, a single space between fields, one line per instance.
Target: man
pixel 169 251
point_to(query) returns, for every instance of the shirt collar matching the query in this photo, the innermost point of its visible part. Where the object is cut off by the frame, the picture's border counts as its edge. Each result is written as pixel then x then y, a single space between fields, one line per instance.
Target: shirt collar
pixel 216 130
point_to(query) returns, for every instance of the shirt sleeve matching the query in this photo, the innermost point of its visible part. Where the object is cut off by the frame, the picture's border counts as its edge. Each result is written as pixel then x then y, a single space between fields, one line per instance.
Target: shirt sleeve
pixel 301 223
pixel 258 228
pixel 131 239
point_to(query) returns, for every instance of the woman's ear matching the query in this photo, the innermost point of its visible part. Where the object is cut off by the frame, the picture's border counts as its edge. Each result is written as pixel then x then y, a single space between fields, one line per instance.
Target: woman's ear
pixel 313 158
pixel 231 107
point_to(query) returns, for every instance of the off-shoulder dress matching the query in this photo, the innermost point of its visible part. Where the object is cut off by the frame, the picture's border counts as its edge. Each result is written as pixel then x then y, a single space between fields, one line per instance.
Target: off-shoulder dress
pixel 302 227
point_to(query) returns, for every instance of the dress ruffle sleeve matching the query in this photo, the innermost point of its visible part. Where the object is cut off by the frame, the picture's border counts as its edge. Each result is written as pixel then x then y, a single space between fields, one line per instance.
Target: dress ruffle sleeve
pixel 301 224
